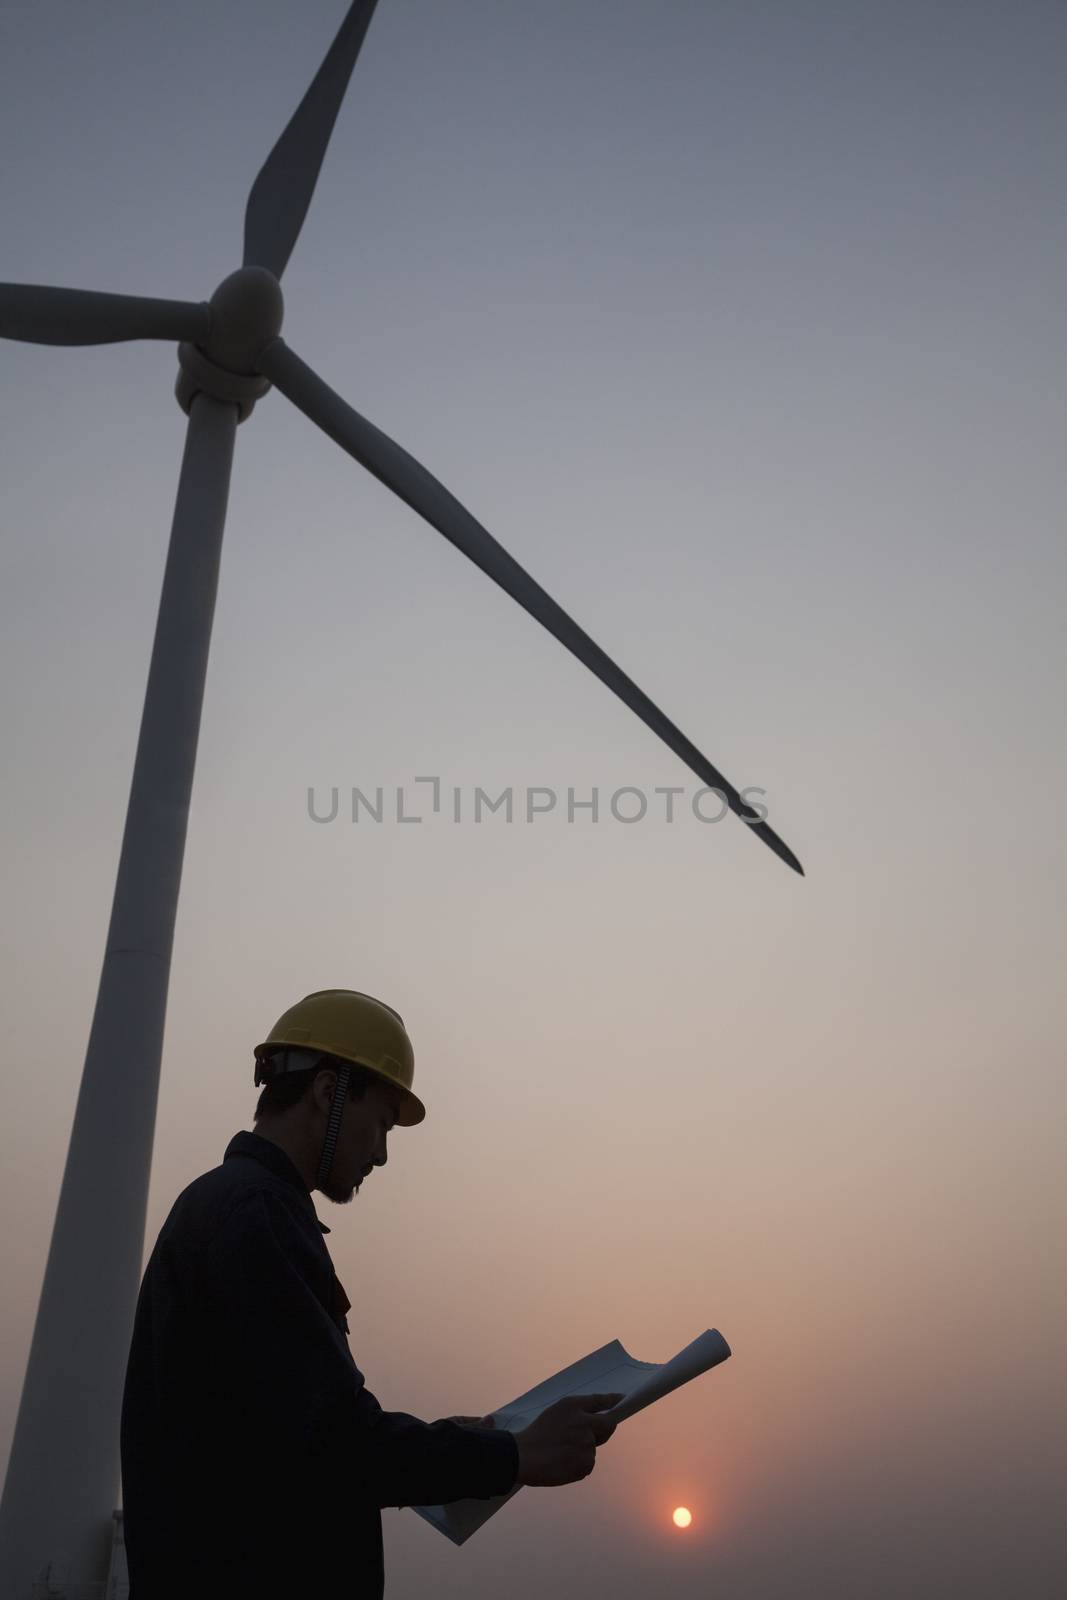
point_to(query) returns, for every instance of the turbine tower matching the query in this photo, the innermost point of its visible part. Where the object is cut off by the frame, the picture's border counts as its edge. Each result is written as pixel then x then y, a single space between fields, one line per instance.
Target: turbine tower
pixel 63 1474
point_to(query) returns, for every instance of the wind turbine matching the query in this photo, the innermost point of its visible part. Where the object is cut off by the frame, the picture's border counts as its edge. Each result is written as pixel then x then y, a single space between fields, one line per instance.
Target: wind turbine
pixel 64 1457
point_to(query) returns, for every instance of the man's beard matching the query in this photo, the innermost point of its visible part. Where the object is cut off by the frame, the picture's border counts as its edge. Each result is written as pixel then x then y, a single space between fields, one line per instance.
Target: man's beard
pixel 340 1194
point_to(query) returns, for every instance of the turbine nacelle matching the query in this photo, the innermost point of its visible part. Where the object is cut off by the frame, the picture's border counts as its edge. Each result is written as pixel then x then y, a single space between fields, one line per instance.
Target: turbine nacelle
pixel 246 313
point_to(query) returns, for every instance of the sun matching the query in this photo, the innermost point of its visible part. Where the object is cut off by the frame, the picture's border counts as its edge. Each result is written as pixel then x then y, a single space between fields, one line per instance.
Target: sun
pixel 682 1517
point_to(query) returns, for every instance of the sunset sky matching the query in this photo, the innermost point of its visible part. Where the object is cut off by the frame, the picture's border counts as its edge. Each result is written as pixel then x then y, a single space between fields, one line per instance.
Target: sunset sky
pixel 740 324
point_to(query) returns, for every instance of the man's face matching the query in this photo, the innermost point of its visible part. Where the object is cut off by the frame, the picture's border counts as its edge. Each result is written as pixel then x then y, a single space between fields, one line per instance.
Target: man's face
pixel 361 1144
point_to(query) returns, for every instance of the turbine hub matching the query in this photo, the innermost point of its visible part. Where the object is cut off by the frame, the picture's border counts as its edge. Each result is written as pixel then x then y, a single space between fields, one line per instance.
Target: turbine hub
pixel 246 313
pixel 246 310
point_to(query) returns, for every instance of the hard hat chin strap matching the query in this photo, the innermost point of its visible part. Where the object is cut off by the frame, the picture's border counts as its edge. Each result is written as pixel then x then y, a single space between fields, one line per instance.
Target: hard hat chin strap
pixel 333 1123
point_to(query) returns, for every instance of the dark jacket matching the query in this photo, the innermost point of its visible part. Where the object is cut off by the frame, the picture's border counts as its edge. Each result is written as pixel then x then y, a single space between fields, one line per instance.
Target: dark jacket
pixel 254 1458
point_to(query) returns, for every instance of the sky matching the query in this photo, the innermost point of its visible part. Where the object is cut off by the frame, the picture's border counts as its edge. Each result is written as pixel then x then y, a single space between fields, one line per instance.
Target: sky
pixel 740 325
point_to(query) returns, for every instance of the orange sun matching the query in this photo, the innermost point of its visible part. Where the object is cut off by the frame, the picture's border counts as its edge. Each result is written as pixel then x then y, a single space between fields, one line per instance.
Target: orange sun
pixel 682 1517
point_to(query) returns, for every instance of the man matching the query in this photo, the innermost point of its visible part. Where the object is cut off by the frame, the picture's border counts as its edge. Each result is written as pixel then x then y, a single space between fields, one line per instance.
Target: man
pixel 255 1460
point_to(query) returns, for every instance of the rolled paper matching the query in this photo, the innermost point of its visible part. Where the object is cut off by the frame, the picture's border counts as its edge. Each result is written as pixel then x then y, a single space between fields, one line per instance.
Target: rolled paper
pixel 609 1370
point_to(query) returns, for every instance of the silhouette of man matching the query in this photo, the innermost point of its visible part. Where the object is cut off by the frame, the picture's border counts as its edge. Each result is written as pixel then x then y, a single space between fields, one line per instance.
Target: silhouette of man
pixel 255 1461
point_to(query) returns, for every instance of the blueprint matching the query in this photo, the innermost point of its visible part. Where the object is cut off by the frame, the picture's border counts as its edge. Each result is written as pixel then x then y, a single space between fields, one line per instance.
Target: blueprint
pixel 608 1370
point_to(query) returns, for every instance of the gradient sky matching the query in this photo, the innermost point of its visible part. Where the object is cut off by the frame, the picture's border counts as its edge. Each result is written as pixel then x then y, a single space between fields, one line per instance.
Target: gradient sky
pixel 741 325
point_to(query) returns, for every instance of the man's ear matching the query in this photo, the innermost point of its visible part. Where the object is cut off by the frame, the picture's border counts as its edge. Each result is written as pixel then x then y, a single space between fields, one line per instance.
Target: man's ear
pixel 322 1088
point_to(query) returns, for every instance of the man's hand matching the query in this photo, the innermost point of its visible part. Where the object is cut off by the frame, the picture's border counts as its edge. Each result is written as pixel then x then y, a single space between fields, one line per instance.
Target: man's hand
pixel 473 1422
pixel 560 1445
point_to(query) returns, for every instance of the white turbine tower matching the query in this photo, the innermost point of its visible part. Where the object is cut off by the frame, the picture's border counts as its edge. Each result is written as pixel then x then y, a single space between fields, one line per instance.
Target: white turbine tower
pixel 63 1473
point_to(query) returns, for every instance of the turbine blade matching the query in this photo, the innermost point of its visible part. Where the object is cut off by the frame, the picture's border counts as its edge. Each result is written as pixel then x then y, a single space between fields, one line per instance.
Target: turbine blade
pixel 279 198
pixel 41 315
pixel 402 473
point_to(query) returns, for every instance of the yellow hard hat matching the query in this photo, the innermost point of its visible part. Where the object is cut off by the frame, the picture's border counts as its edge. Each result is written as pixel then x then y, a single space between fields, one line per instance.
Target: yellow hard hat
pixel 355 1027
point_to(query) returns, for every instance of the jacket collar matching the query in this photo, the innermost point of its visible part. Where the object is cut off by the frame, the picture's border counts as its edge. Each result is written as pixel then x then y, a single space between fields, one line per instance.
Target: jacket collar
pixel 274 1158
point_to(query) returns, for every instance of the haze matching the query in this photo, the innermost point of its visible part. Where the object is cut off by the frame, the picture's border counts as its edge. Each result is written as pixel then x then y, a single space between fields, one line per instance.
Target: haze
pixel 741 326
